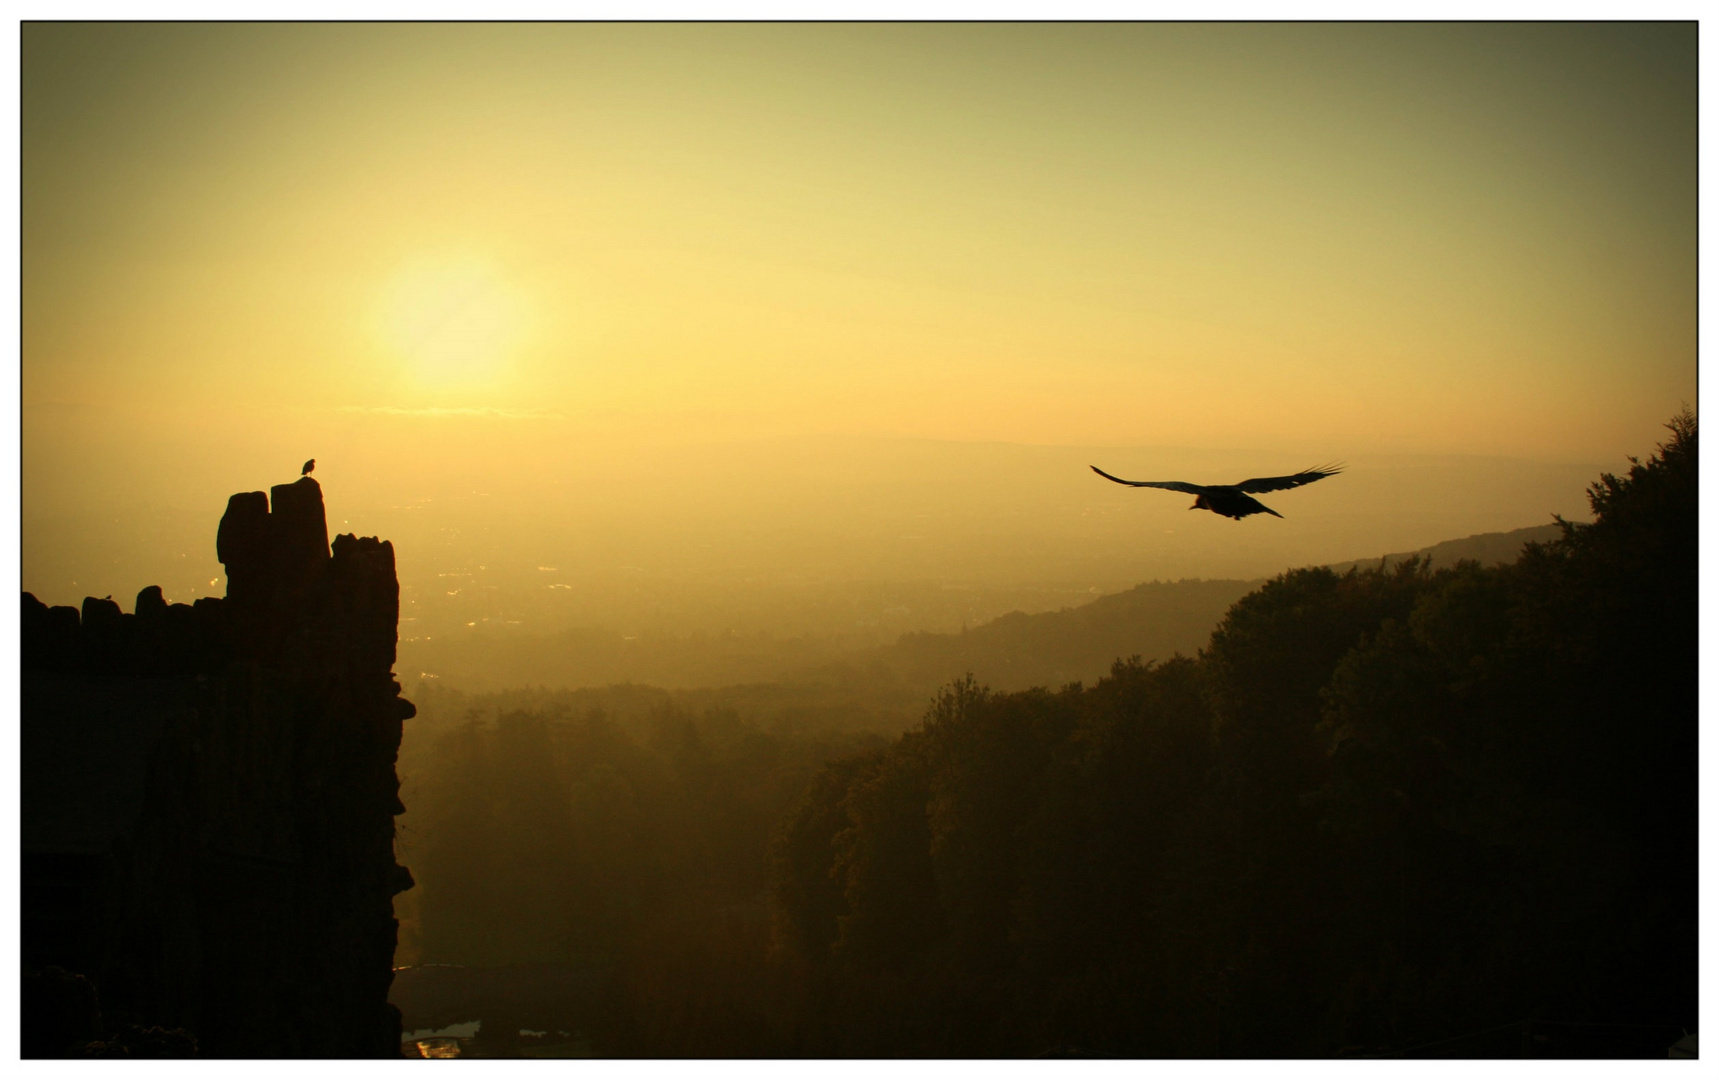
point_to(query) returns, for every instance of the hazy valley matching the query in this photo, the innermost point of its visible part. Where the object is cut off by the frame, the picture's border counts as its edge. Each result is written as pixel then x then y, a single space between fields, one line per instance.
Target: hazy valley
pixel 1035 644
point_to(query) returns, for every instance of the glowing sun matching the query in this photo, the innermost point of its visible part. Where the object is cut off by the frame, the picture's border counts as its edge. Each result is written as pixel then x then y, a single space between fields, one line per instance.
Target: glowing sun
pixel 452 322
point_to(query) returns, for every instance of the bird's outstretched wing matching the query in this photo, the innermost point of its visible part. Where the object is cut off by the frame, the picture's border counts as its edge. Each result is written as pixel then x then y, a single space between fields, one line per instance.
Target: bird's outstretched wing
pixel 1279 483
pixel 1168 485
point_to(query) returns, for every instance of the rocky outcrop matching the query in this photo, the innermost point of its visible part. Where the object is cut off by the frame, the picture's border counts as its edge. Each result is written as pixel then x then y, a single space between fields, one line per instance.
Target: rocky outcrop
pixel 209 793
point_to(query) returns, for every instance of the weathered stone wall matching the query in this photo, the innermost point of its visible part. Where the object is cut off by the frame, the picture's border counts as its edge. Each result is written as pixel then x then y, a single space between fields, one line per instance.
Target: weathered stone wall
pixel 209 793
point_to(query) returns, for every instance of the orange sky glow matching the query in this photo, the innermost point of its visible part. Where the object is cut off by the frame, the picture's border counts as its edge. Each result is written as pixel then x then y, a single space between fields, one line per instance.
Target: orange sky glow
pixel 750 299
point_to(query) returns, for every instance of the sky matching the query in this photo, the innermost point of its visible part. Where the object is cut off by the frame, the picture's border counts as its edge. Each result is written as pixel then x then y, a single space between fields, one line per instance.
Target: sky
pixel 722 302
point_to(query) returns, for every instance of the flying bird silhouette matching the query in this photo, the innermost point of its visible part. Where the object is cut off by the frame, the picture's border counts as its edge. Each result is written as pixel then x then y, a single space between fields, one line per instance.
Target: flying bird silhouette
pixel 1233 500
pixel 308 466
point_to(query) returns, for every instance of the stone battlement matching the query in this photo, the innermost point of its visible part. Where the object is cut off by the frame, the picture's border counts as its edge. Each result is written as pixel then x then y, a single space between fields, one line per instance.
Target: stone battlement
pixel 209 792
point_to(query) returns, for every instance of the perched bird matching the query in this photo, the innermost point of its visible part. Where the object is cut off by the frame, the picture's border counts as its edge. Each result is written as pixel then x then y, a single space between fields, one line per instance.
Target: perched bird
pixel 1232 500
pixel 308 466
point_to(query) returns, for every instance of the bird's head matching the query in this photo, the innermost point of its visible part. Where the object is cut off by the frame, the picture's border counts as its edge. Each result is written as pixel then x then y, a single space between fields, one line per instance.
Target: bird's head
pixel 1199 503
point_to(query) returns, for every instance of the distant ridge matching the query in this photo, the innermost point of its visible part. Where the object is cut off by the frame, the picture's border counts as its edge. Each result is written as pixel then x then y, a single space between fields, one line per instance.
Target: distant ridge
pixel 1013 651
pixel 1488 549
pixel 1154 620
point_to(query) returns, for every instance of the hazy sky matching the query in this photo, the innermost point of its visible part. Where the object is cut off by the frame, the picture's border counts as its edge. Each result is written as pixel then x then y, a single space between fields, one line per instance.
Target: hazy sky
pixel 468 257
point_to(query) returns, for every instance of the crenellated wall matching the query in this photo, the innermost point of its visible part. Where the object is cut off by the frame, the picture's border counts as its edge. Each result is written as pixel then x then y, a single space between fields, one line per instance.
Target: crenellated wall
pixel 209 793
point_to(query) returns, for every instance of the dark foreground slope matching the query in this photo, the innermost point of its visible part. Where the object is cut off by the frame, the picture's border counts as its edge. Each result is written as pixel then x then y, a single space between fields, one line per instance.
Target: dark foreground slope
pixel 1393 811
pixel 208 801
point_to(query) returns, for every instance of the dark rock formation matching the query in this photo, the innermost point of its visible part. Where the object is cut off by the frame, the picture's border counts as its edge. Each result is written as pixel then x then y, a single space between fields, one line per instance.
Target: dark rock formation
pixel 209 795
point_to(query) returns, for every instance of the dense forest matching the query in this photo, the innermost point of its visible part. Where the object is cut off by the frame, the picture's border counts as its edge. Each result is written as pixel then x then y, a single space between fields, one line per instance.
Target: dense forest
pixel 1382 811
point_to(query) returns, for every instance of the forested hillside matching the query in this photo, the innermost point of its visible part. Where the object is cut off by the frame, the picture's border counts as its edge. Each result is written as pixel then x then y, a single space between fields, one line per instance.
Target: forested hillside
pixel 1381 809
pixel 1378 810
